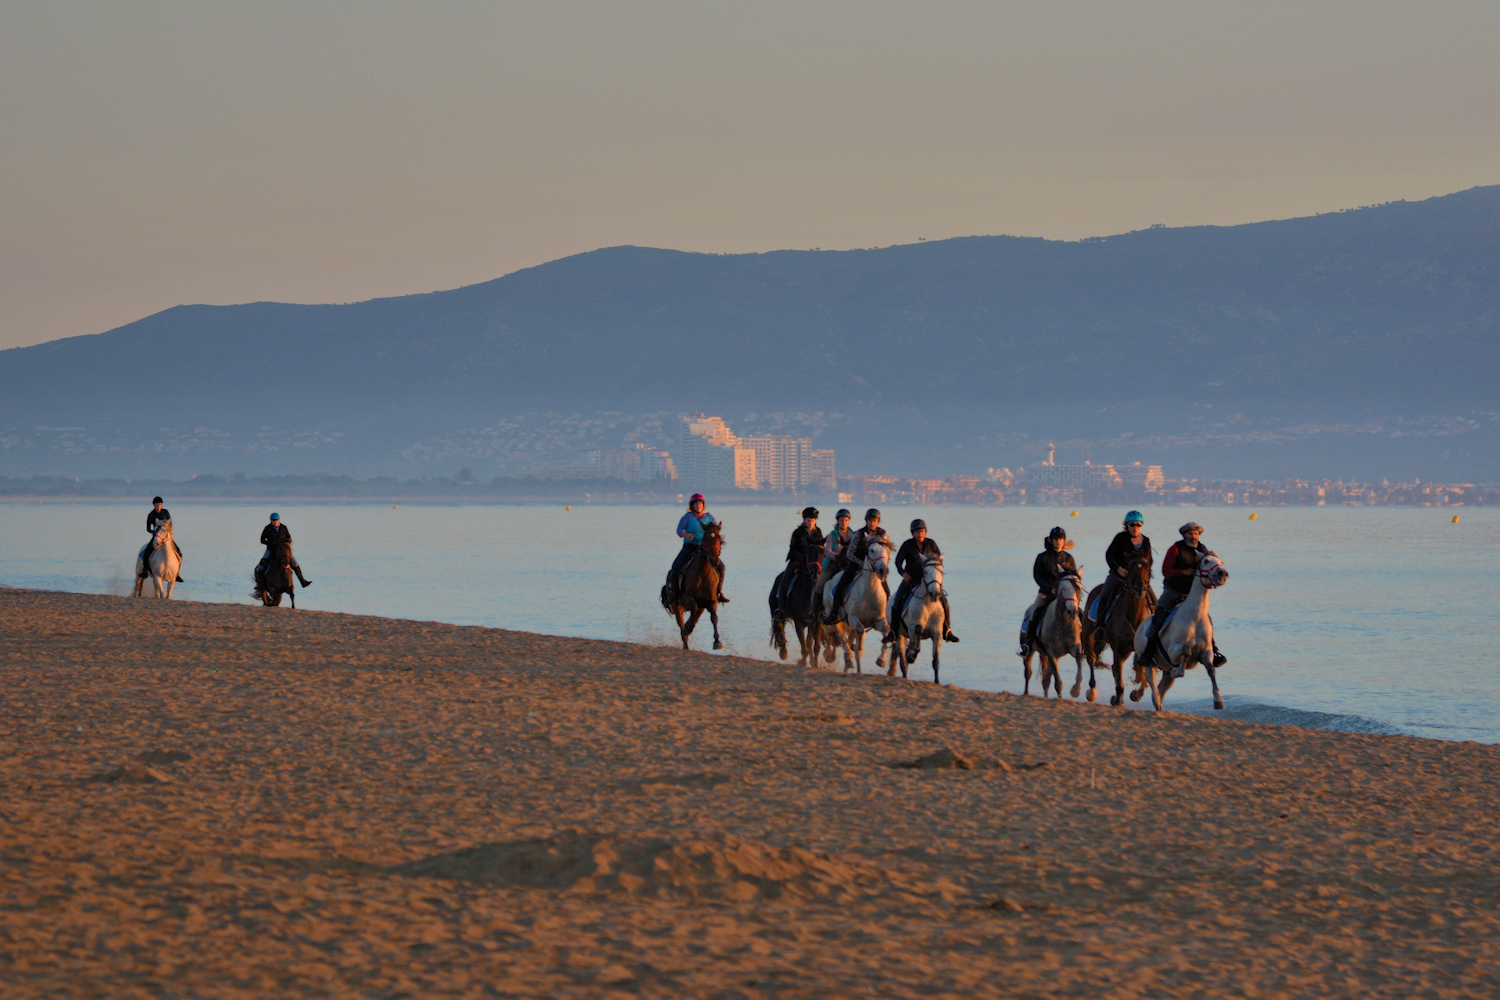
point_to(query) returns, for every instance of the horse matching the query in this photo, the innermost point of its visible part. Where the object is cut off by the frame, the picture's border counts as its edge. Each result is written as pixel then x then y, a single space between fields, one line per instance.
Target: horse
pixel 864 604
pixel 161 563
pixel 1188 637
pixel 1133 603
pixel 922 616
pixel 795 604
pixel 278 578
pixel 1060 634
pixel 700 586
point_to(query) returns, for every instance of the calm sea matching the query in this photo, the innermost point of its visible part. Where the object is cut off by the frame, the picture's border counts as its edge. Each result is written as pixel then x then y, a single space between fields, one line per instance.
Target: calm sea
pixel 1369 619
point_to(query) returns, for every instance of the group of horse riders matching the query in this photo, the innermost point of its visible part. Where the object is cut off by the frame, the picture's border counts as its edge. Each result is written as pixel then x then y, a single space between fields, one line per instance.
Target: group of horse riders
pixel 1179 564
pixel 272 535
pixel 810 551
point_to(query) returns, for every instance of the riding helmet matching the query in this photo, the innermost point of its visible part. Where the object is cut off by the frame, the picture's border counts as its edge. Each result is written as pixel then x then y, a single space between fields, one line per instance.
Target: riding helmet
pixel 157 500
pixel 810 512
pixel 1057 533
pixel 275 516
pixel 918 523
pixel 1134 517
pixel 1190 526
pixel 843 512
pixel 872 512
pixel 695 498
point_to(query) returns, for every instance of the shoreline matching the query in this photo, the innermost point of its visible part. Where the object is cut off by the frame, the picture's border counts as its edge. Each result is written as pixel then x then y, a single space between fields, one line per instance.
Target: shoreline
pixel 219 800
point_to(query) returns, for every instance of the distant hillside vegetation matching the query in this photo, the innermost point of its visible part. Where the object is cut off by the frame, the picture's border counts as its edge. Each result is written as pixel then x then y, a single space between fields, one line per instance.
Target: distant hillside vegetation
pixel 1367 337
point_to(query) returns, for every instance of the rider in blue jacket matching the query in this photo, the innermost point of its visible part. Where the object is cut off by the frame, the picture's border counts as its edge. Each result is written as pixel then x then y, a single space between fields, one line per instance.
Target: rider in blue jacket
pixel 690 529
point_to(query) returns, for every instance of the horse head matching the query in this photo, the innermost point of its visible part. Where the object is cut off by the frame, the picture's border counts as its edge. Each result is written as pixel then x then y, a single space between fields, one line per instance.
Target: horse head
pixel 713 539
pixel 878 557
pixel 163 534
pixel 1069 590
pixel 1211 571
pixel 932 575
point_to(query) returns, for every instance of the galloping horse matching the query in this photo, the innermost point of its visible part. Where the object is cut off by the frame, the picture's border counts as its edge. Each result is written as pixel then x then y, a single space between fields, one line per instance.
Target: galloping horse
pixel 864 603
pixel 161 563
pixel 1188 637
pixel 923 616
pixel 700 586
pixel 796 606
pixel 1134 602
pixel 1061 634
pixel 278 578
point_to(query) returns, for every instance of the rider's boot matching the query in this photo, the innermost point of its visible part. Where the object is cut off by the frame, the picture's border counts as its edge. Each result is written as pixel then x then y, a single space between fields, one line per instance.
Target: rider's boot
pixel 948 635
pixel 302 579
pixel 721 599
pixel 1023 646
pixel 1219 658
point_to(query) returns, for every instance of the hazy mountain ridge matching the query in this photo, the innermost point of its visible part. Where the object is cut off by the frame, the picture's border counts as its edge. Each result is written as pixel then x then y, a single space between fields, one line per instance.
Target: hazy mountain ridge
pixel 1382 318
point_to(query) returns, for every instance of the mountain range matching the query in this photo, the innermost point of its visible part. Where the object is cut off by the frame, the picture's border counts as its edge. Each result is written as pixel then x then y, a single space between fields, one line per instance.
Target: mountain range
pixel 1360 343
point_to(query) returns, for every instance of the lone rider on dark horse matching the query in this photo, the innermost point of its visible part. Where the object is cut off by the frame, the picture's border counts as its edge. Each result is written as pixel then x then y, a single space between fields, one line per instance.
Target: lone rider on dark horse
pixel 690 529
pixel 271 536
pixel 155 517
pixel 909 563
pixel 805 546
pixel 1050 567
pixel 851 556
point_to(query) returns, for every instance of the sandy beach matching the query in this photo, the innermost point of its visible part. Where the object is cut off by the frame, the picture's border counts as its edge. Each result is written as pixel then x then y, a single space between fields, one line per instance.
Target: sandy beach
pixel 223 801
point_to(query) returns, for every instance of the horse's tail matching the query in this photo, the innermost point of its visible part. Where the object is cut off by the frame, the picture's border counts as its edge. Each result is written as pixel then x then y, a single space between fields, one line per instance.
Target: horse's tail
pixel 667 600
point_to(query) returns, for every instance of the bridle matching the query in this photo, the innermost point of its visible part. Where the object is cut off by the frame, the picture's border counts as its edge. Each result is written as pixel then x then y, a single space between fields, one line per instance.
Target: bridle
pixel 1077 588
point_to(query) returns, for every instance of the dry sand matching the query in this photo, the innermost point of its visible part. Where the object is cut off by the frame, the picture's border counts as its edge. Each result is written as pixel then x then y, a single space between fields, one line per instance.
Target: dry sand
pixel 209 800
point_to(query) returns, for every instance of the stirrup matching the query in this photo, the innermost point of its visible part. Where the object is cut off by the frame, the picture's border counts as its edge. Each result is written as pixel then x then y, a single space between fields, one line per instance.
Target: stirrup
pixel 1220 659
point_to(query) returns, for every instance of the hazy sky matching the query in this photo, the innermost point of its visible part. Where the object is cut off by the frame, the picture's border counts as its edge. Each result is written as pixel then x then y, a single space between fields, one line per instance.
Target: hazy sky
pixel 159 153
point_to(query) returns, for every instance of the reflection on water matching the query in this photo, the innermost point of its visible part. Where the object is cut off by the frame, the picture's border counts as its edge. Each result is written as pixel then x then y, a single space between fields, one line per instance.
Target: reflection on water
pixel 1387 614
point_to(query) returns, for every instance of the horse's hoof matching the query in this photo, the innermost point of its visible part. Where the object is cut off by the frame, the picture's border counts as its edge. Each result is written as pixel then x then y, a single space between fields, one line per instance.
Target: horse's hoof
pixel 1219 704
pixel 1116 701
pixel 1074 692
pixel 718 644
pixel 783 654
pixel 1135 695
pixel 1093 694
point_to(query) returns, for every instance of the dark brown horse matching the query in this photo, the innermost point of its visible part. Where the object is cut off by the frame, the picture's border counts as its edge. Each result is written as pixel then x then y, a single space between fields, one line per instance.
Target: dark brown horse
pixel 1134 603
pixel 700 586
pixel 278 578
pixel 795 604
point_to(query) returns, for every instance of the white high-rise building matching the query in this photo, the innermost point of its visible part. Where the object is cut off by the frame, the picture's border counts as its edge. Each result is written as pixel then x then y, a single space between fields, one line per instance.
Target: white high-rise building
pixel 711 456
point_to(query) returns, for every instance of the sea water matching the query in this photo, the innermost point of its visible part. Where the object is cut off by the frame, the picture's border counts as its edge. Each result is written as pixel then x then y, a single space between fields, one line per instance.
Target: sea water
pixel 1370 619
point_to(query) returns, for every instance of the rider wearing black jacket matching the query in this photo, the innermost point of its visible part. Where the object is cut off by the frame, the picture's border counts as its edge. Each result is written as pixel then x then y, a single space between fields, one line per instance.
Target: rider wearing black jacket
pixel 1121 551
pixel 155 517
pixel 910 563
pixel 851 557
pixel 805 547
pixel 272 535
pixel 1050 566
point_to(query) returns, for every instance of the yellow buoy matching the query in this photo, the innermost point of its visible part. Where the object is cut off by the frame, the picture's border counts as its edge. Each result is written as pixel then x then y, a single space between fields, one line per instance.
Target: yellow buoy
pixel 1074 514
pixel 1254 516
pixel 568 507
pixel 1455 518
pixel 393 506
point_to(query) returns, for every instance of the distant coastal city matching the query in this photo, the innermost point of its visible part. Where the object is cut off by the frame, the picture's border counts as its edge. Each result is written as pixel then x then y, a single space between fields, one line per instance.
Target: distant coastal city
pixel 709 457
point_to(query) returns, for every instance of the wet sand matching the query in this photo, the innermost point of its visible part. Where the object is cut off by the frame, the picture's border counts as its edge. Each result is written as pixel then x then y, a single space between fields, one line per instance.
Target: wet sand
pixel 223 801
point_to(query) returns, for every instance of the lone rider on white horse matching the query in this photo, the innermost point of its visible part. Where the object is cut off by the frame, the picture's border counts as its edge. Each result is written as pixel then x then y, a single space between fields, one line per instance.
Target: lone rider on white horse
pixel 1127 545
pixel 155 517
pixel 1050 566
pixel 851 556
pixel 271 536
pixel 909 564
pixel 1178 567
pixel 690 529
pixel 807 538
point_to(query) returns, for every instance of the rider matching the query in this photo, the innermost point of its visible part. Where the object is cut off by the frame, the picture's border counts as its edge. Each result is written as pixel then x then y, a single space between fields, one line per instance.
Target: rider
pixel 837 539
pixel 690 529
pixel 1127 545
pixel 850 558
pixel 807 538
pixel 909 563
pixel 1178 567
pixel 154 519
pixel 1051 566
pixel 272 535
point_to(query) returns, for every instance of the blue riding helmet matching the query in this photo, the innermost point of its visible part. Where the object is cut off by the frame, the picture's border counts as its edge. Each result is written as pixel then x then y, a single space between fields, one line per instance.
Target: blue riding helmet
pixel 275 517
pixel 1134 517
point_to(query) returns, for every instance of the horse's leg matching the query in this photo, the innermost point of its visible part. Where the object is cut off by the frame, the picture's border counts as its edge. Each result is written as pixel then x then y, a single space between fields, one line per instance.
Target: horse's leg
pixel 292 593
pixel 1093 684
pixel 713 617
pixel 859 651
pixel 1117 668
pixel 1207 659
pixel 682 630
pixel 1077 681
pixel 937 644
pixel 913 650
pixel 1026 662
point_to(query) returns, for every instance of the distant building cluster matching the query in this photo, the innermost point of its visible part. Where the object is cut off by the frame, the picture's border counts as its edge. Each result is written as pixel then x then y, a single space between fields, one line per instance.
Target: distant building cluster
pixel 640 464
pixel 711 456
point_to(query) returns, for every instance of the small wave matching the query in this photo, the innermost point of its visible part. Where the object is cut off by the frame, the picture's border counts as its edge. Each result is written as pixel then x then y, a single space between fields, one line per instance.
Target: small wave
pixel 1241 710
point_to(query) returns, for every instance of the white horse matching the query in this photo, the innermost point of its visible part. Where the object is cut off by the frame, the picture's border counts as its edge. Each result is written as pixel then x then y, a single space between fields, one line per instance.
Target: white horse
pixel 161 563
pixel 864 604
pixel 923 616
pixel 1188 637
pixel 1060 634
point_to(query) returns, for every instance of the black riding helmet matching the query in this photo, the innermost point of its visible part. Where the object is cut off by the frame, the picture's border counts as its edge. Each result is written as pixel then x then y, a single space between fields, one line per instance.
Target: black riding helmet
pixel 1057 533
pixel 157 500
pixel 918 523
pixel 872 512
pixel 843 512
pixel 811 512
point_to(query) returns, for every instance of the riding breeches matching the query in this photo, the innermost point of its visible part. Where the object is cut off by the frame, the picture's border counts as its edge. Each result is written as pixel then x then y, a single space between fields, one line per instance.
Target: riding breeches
pixel 1169 600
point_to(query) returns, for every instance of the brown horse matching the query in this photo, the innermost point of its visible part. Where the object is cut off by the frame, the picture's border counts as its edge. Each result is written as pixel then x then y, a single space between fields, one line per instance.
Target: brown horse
pixel 700 587
pixel 796 605
pixel 1134 603
pixel 278 578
